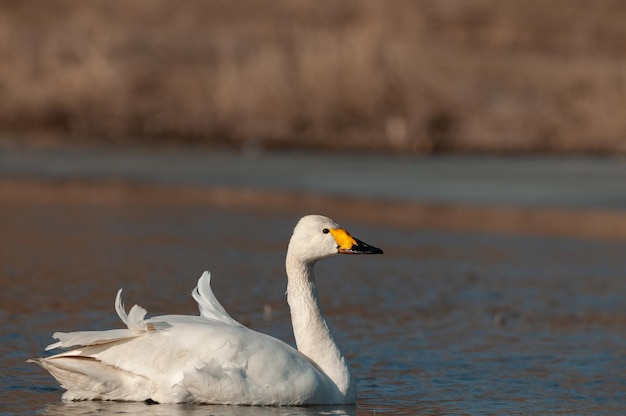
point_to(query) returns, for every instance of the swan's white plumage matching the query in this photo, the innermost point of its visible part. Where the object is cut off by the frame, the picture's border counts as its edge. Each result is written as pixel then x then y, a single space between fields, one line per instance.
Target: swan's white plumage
pixel 209 358
pixel 212 358
pixel 134 319
pixel 210 307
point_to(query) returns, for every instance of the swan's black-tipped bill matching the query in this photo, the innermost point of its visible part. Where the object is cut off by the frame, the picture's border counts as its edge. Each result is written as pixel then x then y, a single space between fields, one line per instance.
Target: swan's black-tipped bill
pixel 360 248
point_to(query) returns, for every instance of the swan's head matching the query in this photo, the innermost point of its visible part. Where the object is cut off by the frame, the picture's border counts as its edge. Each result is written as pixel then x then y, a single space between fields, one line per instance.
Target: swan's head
pixel 317 237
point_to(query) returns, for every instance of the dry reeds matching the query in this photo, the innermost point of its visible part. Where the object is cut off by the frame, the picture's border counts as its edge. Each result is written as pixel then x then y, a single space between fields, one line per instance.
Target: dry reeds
pixel 426 76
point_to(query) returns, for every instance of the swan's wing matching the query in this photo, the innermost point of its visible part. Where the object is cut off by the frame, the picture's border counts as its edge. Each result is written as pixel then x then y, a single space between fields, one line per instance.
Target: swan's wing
pixel 209 306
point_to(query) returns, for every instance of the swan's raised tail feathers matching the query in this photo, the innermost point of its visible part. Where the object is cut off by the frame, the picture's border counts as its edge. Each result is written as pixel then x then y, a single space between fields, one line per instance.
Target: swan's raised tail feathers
pixel 134 321
pixel 209 306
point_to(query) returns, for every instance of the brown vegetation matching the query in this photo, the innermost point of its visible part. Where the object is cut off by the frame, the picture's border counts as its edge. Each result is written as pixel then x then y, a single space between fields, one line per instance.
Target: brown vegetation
pixel 418 75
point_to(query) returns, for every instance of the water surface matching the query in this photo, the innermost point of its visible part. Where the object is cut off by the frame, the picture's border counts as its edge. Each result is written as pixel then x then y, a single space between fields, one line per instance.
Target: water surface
pixel 442 323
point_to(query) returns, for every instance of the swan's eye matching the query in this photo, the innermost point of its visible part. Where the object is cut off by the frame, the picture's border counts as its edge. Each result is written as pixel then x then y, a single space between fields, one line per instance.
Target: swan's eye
pixel 325 230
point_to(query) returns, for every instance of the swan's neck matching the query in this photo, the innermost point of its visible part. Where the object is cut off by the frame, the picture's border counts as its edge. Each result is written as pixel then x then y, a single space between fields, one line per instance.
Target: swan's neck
pixel 313 337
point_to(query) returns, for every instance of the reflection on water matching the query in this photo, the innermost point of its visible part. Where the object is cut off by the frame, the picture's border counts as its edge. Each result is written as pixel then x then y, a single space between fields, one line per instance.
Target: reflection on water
pixel 442 323
pixel 107 408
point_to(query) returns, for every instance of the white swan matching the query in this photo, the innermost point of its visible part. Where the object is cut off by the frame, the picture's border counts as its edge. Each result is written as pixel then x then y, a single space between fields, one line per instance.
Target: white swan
pixel 212 358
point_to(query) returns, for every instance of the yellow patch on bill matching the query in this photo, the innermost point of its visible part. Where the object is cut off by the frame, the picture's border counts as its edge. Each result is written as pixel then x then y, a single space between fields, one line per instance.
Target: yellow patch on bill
pixel 343 239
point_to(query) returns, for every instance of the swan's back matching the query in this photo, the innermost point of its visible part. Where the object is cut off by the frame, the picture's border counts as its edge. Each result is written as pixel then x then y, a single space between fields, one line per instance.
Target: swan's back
pixel 177 358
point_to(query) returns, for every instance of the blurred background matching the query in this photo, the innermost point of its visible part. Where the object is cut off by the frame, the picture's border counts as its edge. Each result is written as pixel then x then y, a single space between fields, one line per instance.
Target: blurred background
pixel 522 102
pixel 420 76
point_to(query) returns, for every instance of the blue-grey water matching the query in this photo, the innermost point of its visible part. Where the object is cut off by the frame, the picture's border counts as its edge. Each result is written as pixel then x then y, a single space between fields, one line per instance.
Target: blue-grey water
pixel 442 323
pixel 572 182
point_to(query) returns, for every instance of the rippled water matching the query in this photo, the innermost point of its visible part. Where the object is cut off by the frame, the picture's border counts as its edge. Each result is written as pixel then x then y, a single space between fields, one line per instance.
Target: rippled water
pixel 443 323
